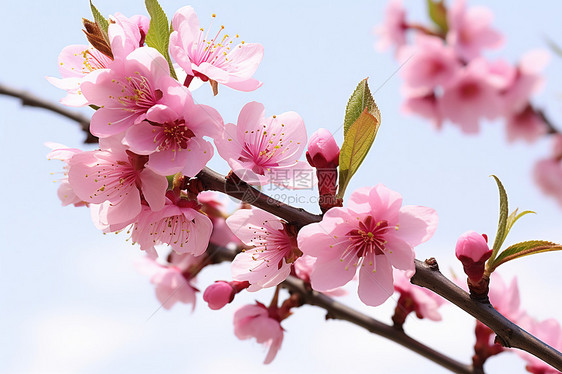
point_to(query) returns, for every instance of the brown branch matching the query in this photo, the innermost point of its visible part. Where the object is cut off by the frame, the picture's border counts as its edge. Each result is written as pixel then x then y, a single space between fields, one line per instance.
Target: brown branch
pixel 427 276
pixel 244 192
pixel 28 99
pixel 337 310
pixel 509 334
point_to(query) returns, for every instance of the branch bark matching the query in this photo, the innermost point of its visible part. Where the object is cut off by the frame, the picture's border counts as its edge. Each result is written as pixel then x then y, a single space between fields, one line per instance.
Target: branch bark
pixel 427 273
pixel 337 310
pixel 509 334
pixel 28 99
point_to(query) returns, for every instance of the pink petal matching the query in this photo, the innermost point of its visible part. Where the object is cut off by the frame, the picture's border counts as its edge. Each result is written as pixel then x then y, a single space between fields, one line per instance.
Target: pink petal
pixel 199 236
pixel 417 224
pixel 153 189
pixel 200 152
pixel 204 120
pixel 242 222
pixel 250 55
pixel 110 121
pixel 251 117
pixel 126 209
pixel 140 138
pixel 385 203
pixel 400 254
pixel 375 287
pixel 327 275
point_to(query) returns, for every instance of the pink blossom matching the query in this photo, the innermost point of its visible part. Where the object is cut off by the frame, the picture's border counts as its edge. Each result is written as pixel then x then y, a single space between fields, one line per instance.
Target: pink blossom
pixel 253 321
pixel 470 30
pixel 548 172
pixel 126 34
pixel 75 63
pixel 118 177
pixel 172 134
pixel 373 234
pixel 303 268
pixel 550 332
pixel 273 248
pixel 425 303
pixel 393 31
pixel 172 286
pixel 548 175
pixel 323 151
pixel 473 251
pixel 470 96
pixel 527 125
pixel 65 192
pixel 266 147
pixel 426 106
pixel 505 298
pixel 177 224
pixel 432 64
pixel 528 80
pixel 216 58
pixel 127 91
pixel 213 205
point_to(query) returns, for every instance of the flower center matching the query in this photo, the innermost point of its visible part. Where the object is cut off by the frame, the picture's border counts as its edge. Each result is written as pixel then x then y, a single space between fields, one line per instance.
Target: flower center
pixel 137 94
pixel 173 135
pixel 369 238
pixel 213 50
pixel 94 60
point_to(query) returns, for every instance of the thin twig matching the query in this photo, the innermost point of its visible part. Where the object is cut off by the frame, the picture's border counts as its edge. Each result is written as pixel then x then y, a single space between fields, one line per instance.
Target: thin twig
pixel 28 99
pixel 337 310
pixel 427 274
pixel 509 333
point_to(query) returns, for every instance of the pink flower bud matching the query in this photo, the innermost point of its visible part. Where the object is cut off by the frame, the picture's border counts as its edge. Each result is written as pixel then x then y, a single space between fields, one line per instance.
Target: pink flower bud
pixel 472 250
pixel 323 151
pixel 218 294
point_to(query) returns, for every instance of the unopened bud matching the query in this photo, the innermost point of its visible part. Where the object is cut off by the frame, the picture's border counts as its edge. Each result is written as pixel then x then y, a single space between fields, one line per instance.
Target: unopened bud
pixel 473 251
pixel 218 294
pixel 323 151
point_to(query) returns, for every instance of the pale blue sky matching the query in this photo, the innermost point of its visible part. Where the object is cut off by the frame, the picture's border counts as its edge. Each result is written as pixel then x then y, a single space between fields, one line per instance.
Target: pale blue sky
pixel 71 299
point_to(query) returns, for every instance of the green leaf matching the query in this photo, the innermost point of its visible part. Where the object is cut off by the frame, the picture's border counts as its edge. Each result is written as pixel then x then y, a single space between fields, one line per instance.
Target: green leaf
pixel 514 217
pixel 158 35
pixel 524 249
pixel 438 14
pixel 360 99
pixel 356 144
pixel 100 20
pixel 502 224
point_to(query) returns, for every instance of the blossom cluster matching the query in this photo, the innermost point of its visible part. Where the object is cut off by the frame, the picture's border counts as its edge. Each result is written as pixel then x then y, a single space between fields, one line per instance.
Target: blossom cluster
pixel 447 77
pixel 155 141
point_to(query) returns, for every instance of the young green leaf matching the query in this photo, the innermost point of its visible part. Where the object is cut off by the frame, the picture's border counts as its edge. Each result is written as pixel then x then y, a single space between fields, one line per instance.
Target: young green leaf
pixel 524 249
pixel 514 217
pixel 438 14
pixel 356 144
pixel 502 224
pixel 158 35
pixel 99 19
pixel 360 99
